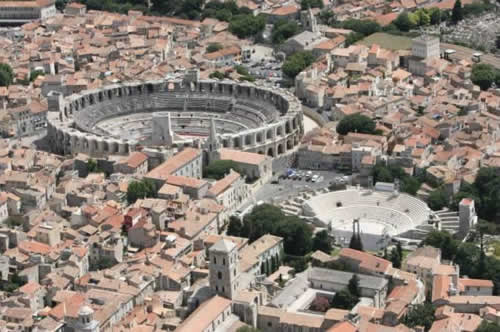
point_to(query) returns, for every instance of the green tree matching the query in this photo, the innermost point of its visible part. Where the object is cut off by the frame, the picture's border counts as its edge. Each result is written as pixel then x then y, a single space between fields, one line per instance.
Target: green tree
pixel 321 241
pixel 457 12
pixel 235 226
pixel 34 74
pixel 140 189
pixel 356 243
pixel 444 241
pixel 6 75
pixel 435 14
pixel 306 4
pixel 104 263
pixel 420 315
pixel 437 199
pixel 92 166
pixel 353 286
pixel 403 22
pixel 282 30
pixel 358 123
pixel 487 326
pixel 246 26
pixel 248 329
pixel 395 258
pixel 213 47
pixel 296 63
pixel 352 38
pixel 484 75
pixel 365 27
pixel 219 169
pixel 327 17
pixel 410 185
pixel 344 300
pixel 217 75
pixel 269 219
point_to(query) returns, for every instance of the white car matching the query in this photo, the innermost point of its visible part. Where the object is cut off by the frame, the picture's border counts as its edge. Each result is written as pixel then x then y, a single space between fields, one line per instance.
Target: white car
pixel 315 178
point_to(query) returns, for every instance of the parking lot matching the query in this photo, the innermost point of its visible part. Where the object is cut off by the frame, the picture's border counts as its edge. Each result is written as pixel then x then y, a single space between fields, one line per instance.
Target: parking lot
pixel 286 188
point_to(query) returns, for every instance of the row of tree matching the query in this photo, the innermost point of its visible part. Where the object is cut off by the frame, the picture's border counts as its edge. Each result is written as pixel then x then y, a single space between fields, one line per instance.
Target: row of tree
pixel 268 219
pixel 472 260
pixel 408 184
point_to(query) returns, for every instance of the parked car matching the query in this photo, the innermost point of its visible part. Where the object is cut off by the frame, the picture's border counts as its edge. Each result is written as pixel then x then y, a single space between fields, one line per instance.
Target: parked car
pixel 315 178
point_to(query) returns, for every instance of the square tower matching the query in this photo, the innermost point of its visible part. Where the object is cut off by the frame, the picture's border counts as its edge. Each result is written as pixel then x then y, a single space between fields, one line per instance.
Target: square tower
pixel 425 47
pixel 224 268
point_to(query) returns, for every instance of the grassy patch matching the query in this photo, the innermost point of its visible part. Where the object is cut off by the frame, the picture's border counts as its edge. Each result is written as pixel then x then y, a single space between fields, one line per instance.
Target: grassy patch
pixel 387 41
pixel 335 251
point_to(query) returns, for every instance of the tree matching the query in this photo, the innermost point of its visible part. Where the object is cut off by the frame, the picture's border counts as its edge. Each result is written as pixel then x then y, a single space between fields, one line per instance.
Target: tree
pixel 457 12
pixel 352 38
pixel 34 74
pixel 327 17
pixel 344 300
pixel 321 241
pixel 140 189
pixel 353 286
pixel 92 166
pixel 420 315
pixel 484 75
pixel 269 219
pixel 487 326
pixel 6 75
pixel 435 14
pixel 356 243
pixel 444 241
pixel 306 4
pixel 248 329
pixel 213 47
pixel 246 26
pixel 235 226
pixel 217 75
pixel 399 248
pixel 403 22
pixel 365 27
pixel 395 258
pixel 320 303
pixel 104 263
pixel 358 123
pixel 219 169
pixel 282 30
pixel 296 63
pixel 437 199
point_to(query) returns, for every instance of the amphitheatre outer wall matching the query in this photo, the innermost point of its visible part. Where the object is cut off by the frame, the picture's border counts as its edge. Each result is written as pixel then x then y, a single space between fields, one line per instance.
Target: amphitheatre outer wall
pixel 71 120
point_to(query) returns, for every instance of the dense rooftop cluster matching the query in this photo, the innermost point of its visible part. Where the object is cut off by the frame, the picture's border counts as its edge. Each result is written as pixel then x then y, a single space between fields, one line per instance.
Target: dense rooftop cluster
pixel 97 236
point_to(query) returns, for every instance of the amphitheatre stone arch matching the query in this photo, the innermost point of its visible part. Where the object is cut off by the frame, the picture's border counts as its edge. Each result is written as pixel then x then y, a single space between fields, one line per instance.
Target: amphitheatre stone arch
pixel 248 117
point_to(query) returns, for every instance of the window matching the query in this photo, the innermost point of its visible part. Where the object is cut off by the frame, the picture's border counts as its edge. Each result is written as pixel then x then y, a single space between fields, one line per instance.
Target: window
pixel 219 275
pixel 215 260
pixel 223 261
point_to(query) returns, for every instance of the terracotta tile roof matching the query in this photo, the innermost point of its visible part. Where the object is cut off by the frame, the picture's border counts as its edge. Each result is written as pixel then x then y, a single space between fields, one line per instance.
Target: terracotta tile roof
pixel 221 185
pixel 367 261
pixel 204 315
pixel 476 282
pixel 249 158
pixel 285 10
pixel 171 165
pixel 343 327
pixel 30 288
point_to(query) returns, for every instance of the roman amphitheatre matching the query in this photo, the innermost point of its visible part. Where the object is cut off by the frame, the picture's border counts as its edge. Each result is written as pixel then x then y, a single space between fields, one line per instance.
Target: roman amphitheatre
pixel 120 118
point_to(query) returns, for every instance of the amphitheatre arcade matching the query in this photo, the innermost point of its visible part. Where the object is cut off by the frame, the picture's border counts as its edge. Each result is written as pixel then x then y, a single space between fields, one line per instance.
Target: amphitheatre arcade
pixel 117 119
